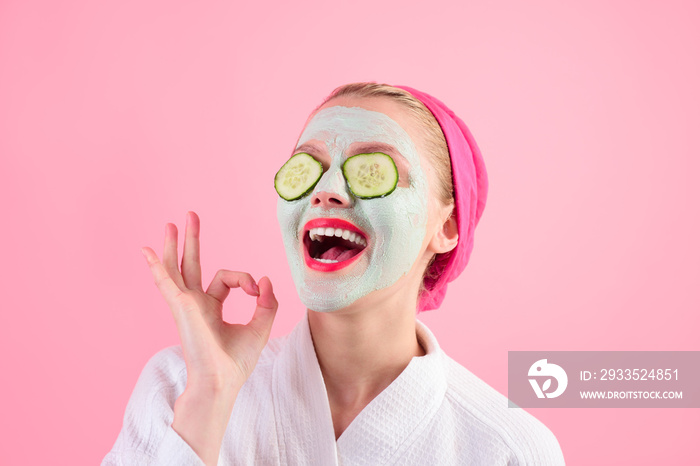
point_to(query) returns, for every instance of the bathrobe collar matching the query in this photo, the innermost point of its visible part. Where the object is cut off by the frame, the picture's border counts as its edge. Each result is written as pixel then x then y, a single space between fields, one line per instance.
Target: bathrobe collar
pixel 382 430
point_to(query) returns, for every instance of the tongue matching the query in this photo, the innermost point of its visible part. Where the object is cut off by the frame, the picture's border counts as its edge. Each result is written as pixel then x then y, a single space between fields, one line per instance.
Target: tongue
pixel 339 253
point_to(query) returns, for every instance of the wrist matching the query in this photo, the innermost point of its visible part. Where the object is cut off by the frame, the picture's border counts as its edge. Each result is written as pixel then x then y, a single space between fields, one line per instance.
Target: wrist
pixel 201 416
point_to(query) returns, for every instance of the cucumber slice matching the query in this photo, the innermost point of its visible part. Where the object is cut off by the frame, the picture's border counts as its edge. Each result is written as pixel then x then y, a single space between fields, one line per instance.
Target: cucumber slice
pixel 371 175
pixel 298 176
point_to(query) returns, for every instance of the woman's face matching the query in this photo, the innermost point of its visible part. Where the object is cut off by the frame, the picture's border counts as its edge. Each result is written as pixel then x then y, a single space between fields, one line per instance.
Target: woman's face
pixel 341 248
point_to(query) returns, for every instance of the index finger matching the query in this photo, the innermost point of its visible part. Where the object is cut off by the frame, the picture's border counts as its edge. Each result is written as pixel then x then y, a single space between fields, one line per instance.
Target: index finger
pixel 224 280
pixel 167 286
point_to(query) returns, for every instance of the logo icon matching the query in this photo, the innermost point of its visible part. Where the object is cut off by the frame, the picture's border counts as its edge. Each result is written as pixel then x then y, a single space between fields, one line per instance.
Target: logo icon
pixel 543 369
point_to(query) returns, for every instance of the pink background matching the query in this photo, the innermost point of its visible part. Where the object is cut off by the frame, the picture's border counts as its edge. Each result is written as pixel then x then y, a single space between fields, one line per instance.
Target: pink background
pixel 117 117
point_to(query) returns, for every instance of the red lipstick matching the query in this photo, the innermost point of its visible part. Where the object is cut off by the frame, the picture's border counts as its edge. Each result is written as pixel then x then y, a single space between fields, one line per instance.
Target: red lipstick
pixel 329 252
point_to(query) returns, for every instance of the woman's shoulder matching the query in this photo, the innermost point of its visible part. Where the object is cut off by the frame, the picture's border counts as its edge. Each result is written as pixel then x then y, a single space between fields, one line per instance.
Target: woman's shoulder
pixel 165 368
pixel 488 411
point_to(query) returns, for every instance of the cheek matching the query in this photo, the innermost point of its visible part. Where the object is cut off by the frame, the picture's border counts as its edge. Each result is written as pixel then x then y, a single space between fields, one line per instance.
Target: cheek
pixel 399 218
pixel 289 216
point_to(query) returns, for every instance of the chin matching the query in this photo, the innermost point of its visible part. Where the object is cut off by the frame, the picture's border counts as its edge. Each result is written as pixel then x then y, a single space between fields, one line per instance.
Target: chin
pixel 322 296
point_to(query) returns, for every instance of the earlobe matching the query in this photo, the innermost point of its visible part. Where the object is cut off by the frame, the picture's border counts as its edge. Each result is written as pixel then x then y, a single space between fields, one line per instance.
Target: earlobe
pixel 445 239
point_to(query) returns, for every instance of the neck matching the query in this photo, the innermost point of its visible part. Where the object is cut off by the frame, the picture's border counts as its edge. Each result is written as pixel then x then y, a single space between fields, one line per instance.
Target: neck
pixel 362 350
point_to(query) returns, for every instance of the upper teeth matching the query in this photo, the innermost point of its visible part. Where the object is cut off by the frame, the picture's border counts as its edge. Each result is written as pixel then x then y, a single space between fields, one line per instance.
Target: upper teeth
pixel 317 233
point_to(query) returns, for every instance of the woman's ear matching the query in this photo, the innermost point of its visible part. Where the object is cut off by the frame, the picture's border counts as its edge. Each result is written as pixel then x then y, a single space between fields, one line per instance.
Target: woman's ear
pixel 445 238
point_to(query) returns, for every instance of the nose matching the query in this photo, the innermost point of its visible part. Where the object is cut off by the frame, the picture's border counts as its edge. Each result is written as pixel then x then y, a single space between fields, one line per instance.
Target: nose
pixel 331 191
pixel 329 200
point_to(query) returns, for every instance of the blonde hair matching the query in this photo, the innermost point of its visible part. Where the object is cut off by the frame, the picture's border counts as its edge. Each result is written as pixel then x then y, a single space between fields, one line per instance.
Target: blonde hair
pixel 435 143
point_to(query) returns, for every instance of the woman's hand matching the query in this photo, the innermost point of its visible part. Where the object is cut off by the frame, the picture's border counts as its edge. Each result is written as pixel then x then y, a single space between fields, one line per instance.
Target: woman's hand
pixel 219 356
pixel 216 353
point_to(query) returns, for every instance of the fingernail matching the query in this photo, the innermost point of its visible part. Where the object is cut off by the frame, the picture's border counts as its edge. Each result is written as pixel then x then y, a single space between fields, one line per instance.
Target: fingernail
pixel 143 251
pixel 255 287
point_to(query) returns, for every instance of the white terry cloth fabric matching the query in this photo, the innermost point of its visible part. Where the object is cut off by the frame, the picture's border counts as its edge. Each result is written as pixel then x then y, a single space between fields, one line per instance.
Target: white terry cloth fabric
pixel 435 412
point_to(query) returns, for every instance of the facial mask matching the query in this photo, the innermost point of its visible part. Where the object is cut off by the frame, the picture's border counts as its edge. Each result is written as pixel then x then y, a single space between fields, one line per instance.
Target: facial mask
pixel 395 225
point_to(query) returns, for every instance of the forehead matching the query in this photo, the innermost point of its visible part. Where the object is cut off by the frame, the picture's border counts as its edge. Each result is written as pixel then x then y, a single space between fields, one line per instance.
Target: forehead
pixel 394 110
pixel 355 122
pixel 339 126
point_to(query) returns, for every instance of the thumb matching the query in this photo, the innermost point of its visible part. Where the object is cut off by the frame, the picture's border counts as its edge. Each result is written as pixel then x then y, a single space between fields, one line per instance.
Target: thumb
pixel 265 310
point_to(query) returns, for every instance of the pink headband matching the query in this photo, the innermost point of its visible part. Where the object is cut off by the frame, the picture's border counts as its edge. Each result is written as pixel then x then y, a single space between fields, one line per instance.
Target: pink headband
pixel 470 188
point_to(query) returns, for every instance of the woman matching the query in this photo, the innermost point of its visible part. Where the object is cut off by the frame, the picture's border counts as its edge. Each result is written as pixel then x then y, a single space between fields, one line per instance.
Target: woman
pixel 378 206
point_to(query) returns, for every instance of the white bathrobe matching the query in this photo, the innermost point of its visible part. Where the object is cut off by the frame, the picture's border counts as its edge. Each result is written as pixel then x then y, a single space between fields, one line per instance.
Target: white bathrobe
pixel 436 412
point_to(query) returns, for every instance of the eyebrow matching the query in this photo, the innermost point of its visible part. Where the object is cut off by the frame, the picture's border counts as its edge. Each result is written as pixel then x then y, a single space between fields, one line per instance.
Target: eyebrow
pixel 306 147
pixel 370 147
pixel 358 148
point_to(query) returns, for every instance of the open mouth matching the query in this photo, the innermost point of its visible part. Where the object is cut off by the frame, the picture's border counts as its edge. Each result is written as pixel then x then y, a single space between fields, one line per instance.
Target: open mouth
pixel 331 244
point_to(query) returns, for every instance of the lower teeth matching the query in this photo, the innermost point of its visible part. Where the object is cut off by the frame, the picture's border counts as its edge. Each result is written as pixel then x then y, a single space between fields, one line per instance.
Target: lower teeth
pixel 327 261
